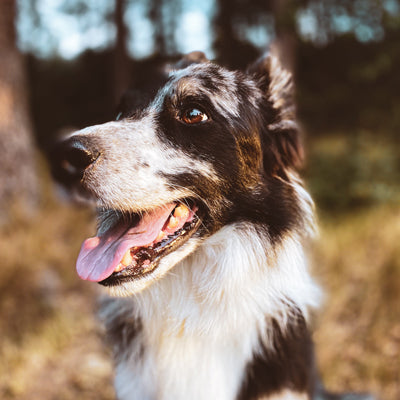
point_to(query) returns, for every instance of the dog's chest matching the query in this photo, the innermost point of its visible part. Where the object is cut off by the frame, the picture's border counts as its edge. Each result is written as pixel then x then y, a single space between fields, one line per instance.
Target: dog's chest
pixel 183 366
pixel 199 328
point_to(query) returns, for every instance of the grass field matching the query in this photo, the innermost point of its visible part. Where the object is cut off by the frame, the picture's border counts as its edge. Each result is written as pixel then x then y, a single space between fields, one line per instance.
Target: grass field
pixel 355 181
pixel 357 260
pixel 50 343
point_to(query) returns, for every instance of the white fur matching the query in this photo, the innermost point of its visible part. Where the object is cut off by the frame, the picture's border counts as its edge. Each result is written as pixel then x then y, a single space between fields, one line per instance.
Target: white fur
pixel 208 306
pixel 281 84
pixel 202 321
pixel 132 186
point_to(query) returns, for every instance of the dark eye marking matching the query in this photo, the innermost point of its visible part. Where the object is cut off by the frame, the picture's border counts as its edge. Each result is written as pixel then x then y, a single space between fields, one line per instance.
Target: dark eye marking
pixel 193 115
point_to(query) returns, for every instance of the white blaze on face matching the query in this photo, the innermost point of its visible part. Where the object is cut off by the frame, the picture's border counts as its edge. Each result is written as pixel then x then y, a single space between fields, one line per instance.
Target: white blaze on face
pixel 130 173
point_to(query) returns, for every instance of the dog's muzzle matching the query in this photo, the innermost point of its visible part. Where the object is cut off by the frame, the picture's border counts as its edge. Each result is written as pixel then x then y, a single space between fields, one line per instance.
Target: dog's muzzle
pixel 71 158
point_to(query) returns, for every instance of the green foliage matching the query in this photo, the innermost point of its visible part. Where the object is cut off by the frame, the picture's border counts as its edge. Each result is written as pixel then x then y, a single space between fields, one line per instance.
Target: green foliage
pixel 348 85
pixel 353 170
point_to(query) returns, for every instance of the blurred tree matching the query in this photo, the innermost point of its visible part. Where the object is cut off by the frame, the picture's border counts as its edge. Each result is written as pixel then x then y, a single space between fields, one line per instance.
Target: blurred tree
pixel 285 12
pixel 225 36
pixel 347 72
pixel 232 49
pixel 121 58
pixel 17 166
pixel 236 16
pixel 156 17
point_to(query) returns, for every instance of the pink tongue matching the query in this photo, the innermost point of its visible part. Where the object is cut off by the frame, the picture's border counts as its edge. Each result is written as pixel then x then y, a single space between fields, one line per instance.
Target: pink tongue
pixel 100 255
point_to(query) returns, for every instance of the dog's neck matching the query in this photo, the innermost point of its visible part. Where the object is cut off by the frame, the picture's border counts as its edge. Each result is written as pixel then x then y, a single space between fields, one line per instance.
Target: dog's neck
pixel 197 328
pixel 235 275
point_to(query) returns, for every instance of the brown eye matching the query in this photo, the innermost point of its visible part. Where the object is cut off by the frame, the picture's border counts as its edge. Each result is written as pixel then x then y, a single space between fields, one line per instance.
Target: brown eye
pixel 193 116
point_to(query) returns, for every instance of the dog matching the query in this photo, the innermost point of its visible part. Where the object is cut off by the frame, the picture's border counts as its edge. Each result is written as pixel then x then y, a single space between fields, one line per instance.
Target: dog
pixel 202 225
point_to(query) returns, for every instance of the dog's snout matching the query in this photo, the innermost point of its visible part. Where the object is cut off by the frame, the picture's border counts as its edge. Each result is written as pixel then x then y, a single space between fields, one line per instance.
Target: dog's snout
pixel 71 158
pixel 76 157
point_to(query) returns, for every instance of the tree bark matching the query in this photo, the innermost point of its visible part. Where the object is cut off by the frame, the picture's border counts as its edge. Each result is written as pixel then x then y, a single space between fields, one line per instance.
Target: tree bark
pixel 121 58
pixel 286 39
pixel 225 43
pixel 18 179
pixel 156 16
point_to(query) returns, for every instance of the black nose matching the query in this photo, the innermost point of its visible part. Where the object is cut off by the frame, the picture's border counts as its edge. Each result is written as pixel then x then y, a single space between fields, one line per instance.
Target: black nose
pixel 71 158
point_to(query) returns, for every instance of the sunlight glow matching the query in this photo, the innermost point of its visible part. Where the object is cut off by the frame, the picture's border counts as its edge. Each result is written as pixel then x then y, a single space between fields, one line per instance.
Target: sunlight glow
pixel 65 29
pixel 140 30
pixel 307 24
pixel 193 33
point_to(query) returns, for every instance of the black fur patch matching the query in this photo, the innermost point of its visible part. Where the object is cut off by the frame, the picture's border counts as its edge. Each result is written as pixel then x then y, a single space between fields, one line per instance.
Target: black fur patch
pixel 250 161
pixel 287 365
pixel 272 205
pixel 251 140
pixel 122 330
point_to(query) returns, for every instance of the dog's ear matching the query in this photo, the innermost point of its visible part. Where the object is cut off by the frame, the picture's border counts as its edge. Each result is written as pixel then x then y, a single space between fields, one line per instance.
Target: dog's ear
pixel 282 146
pixel 194 57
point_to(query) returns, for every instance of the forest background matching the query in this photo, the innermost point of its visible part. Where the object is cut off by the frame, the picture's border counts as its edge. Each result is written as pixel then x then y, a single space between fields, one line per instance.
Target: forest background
pixel 65 64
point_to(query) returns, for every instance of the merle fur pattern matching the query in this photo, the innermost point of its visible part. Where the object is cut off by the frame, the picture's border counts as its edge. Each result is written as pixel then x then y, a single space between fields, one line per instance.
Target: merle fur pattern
pixel 226 315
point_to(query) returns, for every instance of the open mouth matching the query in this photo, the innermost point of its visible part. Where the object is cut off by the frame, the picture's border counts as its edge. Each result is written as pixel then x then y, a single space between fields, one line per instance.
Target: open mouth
pixel 133 248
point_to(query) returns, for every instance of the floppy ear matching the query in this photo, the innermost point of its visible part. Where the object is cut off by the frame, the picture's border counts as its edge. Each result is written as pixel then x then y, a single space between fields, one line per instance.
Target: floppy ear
pixel 281 139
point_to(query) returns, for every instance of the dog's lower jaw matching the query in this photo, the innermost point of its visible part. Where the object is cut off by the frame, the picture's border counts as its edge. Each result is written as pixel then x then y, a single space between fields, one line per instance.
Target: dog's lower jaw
pixel 167 263
pixel 195 332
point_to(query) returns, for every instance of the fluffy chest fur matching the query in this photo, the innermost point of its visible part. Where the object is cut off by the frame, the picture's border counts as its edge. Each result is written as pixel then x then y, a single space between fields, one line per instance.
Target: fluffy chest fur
pixel 201 224
pixel 196 332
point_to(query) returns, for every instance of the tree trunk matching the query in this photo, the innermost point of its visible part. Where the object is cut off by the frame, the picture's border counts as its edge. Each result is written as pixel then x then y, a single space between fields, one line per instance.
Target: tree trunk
pixel 121 58
pixel 156 17
pixel 225 43
pixel 286 39
pixel 18 180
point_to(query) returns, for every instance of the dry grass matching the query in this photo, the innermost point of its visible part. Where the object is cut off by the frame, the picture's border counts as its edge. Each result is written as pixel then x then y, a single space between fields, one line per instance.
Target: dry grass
pixel 51 348
pixel 355 180
pixel 357 260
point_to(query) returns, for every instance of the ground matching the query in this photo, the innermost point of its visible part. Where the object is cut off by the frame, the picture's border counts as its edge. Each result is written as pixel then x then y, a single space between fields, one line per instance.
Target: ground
pixel 51 345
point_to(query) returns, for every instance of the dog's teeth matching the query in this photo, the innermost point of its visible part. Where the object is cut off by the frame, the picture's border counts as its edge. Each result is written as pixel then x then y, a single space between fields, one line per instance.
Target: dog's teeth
pixel 160 236
pixel 119 268
pixel 127 258
pixel 181 211
pixel 173 222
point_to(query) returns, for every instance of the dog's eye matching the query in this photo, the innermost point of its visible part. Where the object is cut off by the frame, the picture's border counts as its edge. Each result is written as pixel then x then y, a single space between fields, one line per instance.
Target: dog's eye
pixel 193 116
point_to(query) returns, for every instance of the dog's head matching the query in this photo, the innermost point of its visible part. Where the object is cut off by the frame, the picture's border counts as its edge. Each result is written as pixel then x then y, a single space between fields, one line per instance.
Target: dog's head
pixel 212 147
